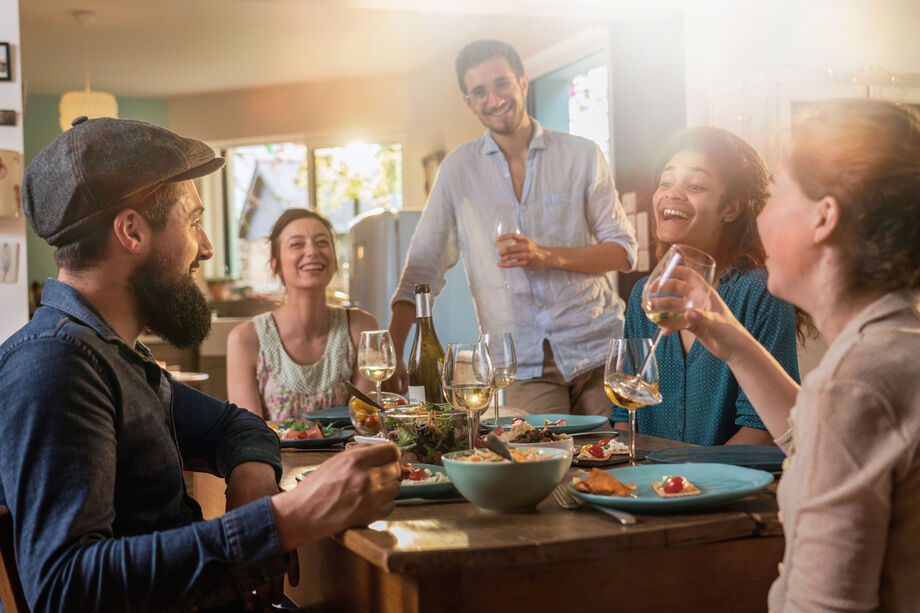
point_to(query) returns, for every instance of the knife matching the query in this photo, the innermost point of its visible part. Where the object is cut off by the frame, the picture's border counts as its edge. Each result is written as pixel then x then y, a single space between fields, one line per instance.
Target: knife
pixel 367 399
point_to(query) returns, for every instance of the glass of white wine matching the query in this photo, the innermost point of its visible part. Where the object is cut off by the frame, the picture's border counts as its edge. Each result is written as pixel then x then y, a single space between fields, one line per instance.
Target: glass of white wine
pixel 504 361
pixel 679 282
pixel 631 379
pixel 505 223
pixel 468 381
pixel 376 357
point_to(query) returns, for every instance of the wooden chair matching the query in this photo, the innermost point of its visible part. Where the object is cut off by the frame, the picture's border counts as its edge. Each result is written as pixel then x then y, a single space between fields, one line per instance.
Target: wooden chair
pixel 11 595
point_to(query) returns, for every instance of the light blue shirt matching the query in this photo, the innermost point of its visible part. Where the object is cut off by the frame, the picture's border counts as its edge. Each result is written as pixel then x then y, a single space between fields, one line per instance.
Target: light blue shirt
pixel 568 200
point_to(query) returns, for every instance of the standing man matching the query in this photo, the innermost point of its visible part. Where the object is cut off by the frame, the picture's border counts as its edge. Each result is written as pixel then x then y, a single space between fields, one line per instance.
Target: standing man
pixel 96 435
pixel 550 288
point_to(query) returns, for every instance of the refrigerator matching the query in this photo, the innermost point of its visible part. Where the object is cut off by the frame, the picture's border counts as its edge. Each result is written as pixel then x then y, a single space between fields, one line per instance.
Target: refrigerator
pixel 379 241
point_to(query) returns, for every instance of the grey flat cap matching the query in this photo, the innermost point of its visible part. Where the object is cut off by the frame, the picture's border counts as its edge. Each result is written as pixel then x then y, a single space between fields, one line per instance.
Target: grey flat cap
pixel 94 167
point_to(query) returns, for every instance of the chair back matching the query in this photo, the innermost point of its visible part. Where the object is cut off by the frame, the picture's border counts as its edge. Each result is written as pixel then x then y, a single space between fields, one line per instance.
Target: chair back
pixel 11 595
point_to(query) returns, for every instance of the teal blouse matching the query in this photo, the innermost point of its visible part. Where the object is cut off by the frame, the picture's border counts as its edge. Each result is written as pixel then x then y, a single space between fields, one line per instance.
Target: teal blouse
pixel 701 401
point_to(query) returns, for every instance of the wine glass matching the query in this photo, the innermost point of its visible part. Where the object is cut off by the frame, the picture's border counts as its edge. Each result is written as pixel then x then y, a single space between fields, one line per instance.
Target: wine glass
pixel 680 281
pixel 505 223
pixel 468 381
pixel 504 361
pixel 631 379
pixel 376 357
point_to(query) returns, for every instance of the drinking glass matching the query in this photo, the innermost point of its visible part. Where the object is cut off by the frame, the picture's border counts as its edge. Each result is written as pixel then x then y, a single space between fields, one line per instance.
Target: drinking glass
pixel 505 223
pixel 631 379
pixel 504 360
pixel 376 357
pixel 468 381
pixel 680 281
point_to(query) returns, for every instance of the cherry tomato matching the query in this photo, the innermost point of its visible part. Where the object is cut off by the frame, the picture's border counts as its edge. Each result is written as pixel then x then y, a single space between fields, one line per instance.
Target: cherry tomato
pixel 596 451
pixel 517 420
pixel 604 443
pixel 674 485
pixel 417 475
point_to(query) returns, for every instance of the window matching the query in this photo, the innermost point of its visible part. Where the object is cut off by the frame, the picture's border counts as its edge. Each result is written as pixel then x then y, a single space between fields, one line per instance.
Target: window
pixel 574 99
pixel 264 180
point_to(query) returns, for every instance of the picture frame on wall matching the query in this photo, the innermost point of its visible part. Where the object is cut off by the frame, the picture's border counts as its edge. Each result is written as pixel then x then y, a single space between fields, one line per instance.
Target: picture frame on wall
pixel 6 63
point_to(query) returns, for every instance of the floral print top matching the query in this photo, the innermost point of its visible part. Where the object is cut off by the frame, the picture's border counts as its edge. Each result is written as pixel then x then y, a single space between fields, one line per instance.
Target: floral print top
pixel 288 389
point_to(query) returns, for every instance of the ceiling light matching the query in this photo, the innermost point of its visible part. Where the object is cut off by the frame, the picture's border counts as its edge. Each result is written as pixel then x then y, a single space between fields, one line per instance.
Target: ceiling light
pixel 86 102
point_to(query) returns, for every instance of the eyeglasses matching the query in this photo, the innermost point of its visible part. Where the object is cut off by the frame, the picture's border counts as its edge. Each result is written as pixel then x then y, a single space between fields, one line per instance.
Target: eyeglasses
pixel 500 87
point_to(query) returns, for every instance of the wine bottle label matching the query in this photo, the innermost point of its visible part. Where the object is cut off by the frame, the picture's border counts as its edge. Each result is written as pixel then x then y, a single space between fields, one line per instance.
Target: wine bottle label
pixel 416 394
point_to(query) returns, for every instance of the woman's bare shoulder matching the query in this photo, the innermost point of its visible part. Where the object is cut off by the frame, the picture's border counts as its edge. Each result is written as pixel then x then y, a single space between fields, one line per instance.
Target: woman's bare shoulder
pixel 362 320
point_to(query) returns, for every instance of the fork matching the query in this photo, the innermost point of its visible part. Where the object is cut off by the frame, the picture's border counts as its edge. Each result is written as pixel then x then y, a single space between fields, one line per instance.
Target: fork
pixel 564 499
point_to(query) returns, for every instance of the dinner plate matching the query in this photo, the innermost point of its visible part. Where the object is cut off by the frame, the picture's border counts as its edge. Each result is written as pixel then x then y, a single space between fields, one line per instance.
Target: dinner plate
pixel 425 490
pixel 317 443
pixel 720 483
pixel 616 458
pixel 575 423
pixel 337 416
pixel 763 457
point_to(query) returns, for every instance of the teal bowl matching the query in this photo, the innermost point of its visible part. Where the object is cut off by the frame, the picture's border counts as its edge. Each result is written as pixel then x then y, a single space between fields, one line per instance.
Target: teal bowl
pixel 507 486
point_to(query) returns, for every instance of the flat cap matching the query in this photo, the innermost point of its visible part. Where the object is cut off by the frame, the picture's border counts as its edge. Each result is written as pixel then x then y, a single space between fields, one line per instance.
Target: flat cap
pixel 93 168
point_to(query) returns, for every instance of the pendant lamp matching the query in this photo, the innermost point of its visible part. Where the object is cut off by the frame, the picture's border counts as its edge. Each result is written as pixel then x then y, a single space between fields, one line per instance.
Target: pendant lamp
pixel 86 102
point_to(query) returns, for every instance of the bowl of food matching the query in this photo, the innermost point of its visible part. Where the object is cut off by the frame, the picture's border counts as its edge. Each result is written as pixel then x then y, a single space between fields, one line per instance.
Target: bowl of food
pixel 496 484
pixel 364 416
pixel 522 434
pixel 425 432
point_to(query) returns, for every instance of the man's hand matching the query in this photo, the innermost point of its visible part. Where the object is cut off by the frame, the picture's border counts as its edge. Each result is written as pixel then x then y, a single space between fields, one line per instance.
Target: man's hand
pixel 353 488
pixel 524 253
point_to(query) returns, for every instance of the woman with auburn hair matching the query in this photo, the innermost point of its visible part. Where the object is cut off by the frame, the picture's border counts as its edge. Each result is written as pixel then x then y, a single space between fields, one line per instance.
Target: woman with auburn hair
pixel 841 231
pixel 711 186
pixel 296 359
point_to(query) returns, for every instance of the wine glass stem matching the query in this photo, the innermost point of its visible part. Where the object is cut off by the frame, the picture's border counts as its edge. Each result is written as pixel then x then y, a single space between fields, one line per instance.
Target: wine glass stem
pixel 632 436
pixel 472 426
pixel 496 409
pixel 651 352
pixel 379 397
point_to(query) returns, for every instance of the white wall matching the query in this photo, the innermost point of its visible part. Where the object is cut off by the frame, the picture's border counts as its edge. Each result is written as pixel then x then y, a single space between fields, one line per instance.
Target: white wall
pixel 14 301
pixel 729 41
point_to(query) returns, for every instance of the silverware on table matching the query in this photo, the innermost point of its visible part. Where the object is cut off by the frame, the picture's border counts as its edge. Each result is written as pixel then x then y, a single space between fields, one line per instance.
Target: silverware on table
pixel 367 399
pixel 564 499
pixel 498 446
pixel 599 434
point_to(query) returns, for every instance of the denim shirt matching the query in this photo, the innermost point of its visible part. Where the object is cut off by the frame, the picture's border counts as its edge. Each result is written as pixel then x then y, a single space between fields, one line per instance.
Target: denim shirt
pixel 568 200
pixel 95 439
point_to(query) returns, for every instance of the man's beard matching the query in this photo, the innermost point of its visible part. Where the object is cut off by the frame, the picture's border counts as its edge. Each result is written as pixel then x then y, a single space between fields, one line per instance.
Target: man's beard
pixel 173 308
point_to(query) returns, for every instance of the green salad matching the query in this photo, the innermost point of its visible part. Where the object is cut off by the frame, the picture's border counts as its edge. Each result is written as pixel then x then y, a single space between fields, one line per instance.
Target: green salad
pixel 425 433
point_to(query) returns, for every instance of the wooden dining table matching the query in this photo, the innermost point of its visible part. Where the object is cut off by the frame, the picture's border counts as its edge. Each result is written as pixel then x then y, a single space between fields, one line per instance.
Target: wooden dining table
pixel 453 556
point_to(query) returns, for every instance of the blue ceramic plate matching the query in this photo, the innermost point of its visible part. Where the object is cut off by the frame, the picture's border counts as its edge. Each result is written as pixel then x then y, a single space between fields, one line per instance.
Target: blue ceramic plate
pixel 425 490
pixel 337 416
pixel 762 457
pixel 575 423
pixel 720 483
pixel 318 443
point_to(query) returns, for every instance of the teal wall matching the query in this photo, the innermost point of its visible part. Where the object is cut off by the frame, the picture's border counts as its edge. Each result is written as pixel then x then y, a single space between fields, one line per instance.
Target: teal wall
pixel 40 127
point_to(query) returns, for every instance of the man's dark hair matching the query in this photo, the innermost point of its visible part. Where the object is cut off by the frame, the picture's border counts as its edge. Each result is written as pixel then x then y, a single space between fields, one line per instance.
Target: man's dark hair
pixel 90 246
pixel 481 50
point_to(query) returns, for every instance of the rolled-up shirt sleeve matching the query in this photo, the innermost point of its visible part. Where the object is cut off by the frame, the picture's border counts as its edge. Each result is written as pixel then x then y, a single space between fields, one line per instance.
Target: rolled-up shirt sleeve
pixel 606 218
pixel 435 247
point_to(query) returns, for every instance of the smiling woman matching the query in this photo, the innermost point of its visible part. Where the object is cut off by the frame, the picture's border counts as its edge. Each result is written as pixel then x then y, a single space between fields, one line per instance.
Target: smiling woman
pixel 296 359
pixel 711 186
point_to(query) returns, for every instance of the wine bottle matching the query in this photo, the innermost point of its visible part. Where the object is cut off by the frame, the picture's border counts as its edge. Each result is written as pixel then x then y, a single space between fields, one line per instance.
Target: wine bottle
pixel 426 359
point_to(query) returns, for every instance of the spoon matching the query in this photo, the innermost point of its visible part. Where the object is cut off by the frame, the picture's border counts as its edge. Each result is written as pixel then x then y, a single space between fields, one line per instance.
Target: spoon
pixel 367 400
pixel 498 446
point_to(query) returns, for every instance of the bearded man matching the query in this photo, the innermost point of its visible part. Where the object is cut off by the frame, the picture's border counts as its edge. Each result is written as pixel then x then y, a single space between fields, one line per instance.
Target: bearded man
pixel 96 435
